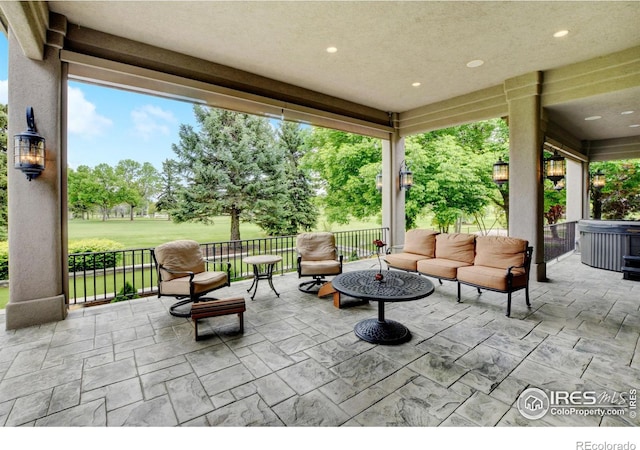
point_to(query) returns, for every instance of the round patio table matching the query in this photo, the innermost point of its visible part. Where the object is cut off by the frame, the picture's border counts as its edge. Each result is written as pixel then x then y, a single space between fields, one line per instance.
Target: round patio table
pixel 396 286
pixel 267 262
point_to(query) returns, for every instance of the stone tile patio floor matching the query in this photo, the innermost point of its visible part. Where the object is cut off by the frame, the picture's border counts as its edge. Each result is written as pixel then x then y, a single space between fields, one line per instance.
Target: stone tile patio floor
pixel 299 363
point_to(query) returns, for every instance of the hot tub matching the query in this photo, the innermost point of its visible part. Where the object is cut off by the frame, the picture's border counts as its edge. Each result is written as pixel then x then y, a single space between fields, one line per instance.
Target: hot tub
pixel 604 243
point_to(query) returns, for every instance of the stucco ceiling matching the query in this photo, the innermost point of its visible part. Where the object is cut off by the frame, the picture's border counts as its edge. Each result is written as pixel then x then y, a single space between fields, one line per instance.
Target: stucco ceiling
pixel 385 46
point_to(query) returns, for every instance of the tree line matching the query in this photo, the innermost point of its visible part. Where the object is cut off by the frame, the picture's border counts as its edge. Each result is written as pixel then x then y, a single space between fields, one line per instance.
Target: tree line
pixel 108 189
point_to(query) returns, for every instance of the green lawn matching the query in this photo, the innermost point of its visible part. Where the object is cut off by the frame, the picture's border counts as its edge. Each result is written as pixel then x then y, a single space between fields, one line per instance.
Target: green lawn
pixel 144 233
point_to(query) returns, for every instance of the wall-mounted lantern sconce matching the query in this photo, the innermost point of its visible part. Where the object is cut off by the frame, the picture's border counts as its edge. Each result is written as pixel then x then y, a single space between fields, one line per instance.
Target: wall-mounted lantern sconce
pixel 28 149
pixel 379 182
pixel 597 180
pixel 406 176
pixel 555 170
pixel 500 172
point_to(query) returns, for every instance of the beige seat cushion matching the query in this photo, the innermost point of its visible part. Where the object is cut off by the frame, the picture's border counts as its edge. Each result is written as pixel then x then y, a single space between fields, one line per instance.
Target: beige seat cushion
pixel 202 282
pixel 330 267
pixel 404 261
pixel 182 255
pixel 319 246
pixel 500 252
pixel 420 242
pixel 440 267
pixel 491 277
pixel 456 247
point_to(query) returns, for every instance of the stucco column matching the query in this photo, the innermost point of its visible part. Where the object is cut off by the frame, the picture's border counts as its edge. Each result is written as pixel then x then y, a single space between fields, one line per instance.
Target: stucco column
pixel 577 193
pixel 393 214
pixel 35 219
pixel 525 166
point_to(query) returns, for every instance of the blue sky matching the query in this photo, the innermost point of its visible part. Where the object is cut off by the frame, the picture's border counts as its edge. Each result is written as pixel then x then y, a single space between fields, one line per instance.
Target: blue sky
pixel 108 125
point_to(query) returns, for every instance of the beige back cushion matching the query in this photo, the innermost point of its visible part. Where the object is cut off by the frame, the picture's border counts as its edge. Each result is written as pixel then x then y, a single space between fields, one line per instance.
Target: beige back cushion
pixel 420 242
pixel 500 251
pixel 183 255
pixel 456 246
pixel 319 246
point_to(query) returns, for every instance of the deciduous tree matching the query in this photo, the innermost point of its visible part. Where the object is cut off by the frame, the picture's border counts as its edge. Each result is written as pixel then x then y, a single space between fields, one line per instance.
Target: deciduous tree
pixel 107 187
pixel 83 191
pixel 620 196
pixel 128 173
pixel 449 180
pixel 345 165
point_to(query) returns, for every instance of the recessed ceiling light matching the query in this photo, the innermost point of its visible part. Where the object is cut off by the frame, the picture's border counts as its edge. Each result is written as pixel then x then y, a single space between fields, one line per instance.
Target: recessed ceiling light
pixel 593 118
pixel 627 112
pixel 332 49
pixel 635 125
pixel 416 84
pixel 561 33
pixel 475 63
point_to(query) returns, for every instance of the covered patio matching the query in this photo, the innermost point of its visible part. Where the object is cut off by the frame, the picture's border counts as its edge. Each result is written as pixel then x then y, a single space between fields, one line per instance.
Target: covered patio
pixel 398 69
pixel 386 69
pixel 298 363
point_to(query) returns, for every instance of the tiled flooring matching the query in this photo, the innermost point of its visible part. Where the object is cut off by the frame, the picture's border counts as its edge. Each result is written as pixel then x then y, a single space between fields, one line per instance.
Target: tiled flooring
pixel 298 362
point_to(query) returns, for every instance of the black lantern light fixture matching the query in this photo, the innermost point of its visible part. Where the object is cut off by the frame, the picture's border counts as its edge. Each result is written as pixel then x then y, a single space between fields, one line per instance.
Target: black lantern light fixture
pixel 597 180
pixel 555 170
pixel 406 176
pixel 500 172
pixel 28 149
pixel 379 182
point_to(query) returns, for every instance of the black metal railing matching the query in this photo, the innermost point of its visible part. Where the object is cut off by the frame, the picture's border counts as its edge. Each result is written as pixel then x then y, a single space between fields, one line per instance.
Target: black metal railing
pixel 101 276
pixel 559 239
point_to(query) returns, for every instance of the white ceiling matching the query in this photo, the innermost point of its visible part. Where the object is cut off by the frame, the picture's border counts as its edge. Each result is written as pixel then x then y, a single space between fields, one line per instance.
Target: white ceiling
pixel 385 46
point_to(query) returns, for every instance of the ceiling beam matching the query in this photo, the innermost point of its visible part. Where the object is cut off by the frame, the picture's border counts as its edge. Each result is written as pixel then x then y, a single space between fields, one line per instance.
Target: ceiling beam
pixel 28 21
pixel 92 43
pixel 614 149
pixel 473 107
pixel 615 72
pixel 118 75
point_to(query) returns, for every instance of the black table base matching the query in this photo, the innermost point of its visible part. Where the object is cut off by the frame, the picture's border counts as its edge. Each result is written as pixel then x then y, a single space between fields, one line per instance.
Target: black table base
pixel 395 286
pixel 257 276
pixel 388 332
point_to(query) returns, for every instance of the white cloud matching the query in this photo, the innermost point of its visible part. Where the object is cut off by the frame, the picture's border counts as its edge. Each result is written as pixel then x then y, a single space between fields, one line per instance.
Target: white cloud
pixel 151 120
pixel 4 92
pixel 82 117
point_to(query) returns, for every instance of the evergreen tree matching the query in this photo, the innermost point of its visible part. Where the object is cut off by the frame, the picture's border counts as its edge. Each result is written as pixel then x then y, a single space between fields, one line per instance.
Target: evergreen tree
pixel 301 214
pixel 231 166
pixel 169 184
